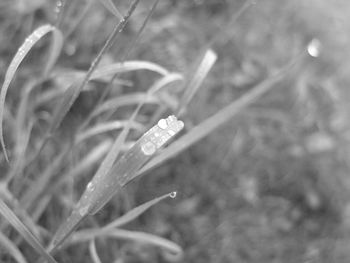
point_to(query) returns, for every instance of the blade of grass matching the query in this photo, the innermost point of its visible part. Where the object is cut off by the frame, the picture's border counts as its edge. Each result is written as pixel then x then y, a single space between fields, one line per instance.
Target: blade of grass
pixel 197 79
pixel 116 68
pixel 129 216
pixel 110 6
pixel 81 210
pixel 24 231
pixel 20 154
pixel 135 212
pixel 72 93
pixel 74 23
pixel 43 180
pixel 131 65
pixel 93 252
pixel 125 100
pixel 106 127
pixel 108 179
pixel 83 236
pixel 123 59
pixel 214 122
pixel 85 164
pixel 28 44
pixel 11 249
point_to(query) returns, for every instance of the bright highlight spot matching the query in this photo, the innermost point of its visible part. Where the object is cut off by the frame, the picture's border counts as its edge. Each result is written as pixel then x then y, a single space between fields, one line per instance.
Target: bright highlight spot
pixel 314 48
pixel 162 124
pixel 148 148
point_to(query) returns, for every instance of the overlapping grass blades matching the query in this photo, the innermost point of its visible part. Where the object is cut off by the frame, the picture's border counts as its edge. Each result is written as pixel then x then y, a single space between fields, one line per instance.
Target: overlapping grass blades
pixel 137 236
pixel 111 230
pixel 11 248
pixel 72 93
pixel 193 84
pixel 108 178
pixel 110 6
pixel 212 123
pixel 24 231
pixel 137 211
pixel 28 44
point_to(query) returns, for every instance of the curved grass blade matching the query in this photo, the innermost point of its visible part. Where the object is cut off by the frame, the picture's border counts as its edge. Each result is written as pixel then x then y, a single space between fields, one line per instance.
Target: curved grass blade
pixel 11 249
pixel 135 212
pixel 123 59
pixel 128 66
pixel 220 118
pixel 85 164
pixel 197 79
pixel 55 50
pixel 24 231
pixel 72 93
pixel 173 248
pixel 28 44
pixel 164 81
pixel 108 180
pixel 125 100
pixel 117 68
pixel 93 252
pixel 106 127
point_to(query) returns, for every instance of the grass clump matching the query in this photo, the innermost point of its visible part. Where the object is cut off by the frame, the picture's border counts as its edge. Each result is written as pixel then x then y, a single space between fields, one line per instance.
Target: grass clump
pixel 261 128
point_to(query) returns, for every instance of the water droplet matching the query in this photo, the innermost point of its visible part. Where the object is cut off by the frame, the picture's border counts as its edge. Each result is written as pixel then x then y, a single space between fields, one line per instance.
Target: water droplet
pixel 90 186
pixel 58 6
pixel 171 132
pixel 314 48
pixel 83 211
pixel 173 194
pixel 162 124
pixel 148 148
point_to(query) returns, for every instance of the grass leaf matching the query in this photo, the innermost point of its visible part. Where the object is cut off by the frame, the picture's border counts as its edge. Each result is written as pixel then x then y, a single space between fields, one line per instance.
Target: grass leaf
pixel 128 66
pixel 106 127
pixel 110 6
pixel 28 44
pixel 72 93
pixel 108 179
pixel 173 248
pixel 214 122
pixel 11 249
pixel 93 252
pixel 24 231
pixel 135 212
pixel 197 79
pixel 89 160
pixel 125 100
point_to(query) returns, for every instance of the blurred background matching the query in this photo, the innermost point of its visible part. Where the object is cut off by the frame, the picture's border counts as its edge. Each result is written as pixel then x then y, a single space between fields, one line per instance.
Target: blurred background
pixel 272 185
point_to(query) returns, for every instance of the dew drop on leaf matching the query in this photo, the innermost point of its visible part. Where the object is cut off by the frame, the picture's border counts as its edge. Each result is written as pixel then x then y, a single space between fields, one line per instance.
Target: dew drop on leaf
pixel 83 211
pixel 314 48
pixel 90 186
pixel 162 123
pixel 148 148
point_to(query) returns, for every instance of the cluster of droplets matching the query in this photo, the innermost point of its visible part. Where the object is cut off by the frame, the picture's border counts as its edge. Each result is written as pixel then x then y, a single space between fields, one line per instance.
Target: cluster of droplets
pixel 58 7
pixel 160 134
